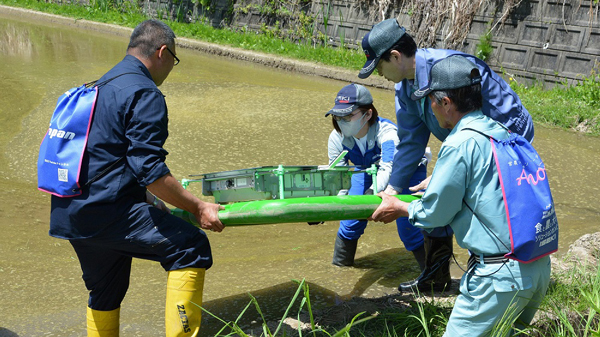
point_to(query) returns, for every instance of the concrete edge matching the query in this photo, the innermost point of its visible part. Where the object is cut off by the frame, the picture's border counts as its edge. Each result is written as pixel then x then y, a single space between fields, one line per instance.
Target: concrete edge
pixel 303 67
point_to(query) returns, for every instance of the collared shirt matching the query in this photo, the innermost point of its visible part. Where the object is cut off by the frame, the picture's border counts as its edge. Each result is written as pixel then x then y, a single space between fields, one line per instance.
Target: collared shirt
pixel 381 142
pixel 465 172
pixel 416 120
pixel 130 125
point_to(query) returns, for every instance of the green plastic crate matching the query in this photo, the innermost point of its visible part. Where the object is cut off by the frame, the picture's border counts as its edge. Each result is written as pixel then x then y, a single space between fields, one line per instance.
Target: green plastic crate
pixel 274 182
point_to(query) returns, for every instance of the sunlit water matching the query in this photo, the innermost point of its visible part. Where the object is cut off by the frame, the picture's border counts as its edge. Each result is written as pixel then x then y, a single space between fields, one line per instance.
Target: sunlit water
pixel 223 115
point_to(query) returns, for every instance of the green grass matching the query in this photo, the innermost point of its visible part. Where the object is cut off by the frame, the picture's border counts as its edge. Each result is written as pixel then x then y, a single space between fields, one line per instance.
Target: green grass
pixel 344 58
pixel 571 308
pixel 119 13
pixel 572 305
pixel 568 106
pixel 100 11
pixel 575 107
pixel 426 317
pixel 233 329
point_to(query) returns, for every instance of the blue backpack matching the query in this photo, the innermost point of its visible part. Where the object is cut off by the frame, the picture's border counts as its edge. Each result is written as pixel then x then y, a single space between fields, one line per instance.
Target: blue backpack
pixel 532 221
pixel 63 146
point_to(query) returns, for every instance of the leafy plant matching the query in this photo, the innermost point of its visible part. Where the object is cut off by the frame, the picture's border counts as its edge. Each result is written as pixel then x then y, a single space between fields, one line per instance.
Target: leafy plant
pixel 326 11
pixel 484 48
pixel 342 32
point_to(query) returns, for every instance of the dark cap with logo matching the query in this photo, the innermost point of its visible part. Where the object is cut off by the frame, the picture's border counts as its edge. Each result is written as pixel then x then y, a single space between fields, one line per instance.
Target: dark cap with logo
pixel 349 99
pixel 453 72
pixel 380 39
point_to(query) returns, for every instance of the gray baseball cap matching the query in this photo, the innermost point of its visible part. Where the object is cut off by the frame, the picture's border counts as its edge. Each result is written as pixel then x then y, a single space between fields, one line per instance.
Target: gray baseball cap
pixel 453 72
pixel 380 39
pixel 349 98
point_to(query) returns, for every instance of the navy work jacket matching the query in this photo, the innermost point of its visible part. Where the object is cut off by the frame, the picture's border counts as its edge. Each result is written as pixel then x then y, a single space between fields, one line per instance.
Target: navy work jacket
pixel 416 120
pixel 129 123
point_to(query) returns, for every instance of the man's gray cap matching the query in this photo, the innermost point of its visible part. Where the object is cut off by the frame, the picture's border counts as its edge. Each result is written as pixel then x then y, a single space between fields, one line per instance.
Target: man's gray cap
pixel 380 39
pixel 453 72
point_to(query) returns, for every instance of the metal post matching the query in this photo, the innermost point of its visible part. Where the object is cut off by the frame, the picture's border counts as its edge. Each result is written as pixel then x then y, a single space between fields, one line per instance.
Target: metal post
pixel 280 172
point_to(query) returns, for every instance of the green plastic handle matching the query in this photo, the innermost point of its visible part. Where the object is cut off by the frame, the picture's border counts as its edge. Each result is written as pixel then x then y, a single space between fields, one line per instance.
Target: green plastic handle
pixel 313 209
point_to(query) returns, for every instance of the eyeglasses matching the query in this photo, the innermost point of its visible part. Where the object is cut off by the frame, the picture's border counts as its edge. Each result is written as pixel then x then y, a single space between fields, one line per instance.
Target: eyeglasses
pixel 346 118
pixel 174 56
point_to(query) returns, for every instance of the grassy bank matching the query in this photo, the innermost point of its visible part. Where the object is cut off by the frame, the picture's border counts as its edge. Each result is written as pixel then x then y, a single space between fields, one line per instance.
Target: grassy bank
pixel 267 42
pixel 574 107
pixel 571 308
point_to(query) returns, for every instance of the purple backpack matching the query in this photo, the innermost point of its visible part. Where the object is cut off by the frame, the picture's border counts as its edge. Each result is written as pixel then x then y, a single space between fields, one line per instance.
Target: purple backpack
pixel 530 212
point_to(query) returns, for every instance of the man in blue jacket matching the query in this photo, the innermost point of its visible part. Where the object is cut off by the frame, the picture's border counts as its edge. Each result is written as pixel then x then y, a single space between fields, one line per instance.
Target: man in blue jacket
pixel 119 215
pixel 394 54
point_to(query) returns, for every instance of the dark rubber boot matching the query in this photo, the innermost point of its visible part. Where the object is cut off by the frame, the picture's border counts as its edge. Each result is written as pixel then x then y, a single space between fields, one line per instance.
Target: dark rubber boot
pixel 436 275
pixel 420 256
pixel 344 251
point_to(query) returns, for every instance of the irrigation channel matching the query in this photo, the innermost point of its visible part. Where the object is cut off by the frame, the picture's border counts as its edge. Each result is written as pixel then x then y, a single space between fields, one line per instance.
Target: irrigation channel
pixel 223 115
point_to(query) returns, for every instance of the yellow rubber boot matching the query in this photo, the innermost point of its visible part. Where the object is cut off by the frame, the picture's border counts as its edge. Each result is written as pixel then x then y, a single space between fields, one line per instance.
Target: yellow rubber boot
pixel 184 297
pixel 103 323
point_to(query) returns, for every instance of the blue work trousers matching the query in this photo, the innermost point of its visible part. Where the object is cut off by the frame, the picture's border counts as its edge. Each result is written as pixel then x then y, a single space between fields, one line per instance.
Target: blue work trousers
pixel 147 233
pixel 411 237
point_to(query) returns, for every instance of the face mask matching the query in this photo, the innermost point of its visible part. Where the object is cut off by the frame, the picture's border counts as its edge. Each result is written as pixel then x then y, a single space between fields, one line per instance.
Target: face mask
pixel 350 129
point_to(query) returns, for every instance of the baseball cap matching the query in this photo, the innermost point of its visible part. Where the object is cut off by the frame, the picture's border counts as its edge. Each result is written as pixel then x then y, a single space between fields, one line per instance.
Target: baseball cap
pixel 453 72
pixel 349 98
pixel 382 37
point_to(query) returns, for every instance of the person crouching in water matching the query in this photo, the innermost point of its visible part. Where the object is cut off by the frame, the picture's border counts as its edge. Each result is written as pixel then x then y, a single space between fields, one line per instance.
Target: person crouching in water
pixel 369 139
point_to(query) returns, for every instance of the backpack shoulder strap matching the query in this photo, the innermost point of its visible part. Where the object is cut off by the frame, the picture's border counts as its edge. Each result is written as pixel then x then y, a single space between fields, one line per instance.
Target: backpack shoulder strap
pixel 465 202
pixel 486 135
pixel 94 83
pixel 111 166
pixel 479 132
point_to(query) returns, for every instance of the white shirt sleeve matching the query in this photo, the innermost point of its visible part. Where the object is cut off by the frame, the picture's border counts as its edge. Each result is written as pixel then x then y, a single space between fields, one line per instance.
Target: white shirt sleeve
pixel 387 137
pixel 334 148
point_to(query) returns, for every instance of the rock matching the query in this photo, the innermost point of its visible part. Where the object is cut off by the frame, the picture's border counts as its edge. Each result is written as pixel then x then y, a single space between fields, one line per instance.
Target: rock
pixel 296 324
pixel 583 253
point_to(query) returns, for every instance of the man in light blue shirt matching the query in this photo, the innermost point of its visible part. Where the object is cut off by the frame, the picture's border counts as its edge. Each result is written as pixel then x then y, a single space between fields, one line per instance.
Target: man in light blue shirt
pixel 465 182
pixel 395 56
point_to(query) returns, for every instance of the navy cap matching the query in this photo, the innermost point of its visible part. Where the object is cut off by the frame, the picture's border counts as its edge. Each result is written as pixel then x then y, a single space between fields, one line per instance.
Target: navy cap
pixel 349 99
pixel 453 72
pixel 380 39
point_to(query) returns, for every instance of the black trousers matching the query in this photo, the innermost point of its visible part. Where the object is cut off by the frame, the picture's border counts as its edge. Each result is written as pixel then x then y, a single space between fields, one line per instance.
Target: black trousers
pixel 147 233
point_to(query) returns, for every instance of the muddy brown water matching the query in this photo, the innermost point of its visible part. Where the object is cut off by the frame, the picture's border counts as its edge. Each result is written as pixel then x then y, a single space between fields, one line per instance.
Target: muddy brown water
pixel 224 115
